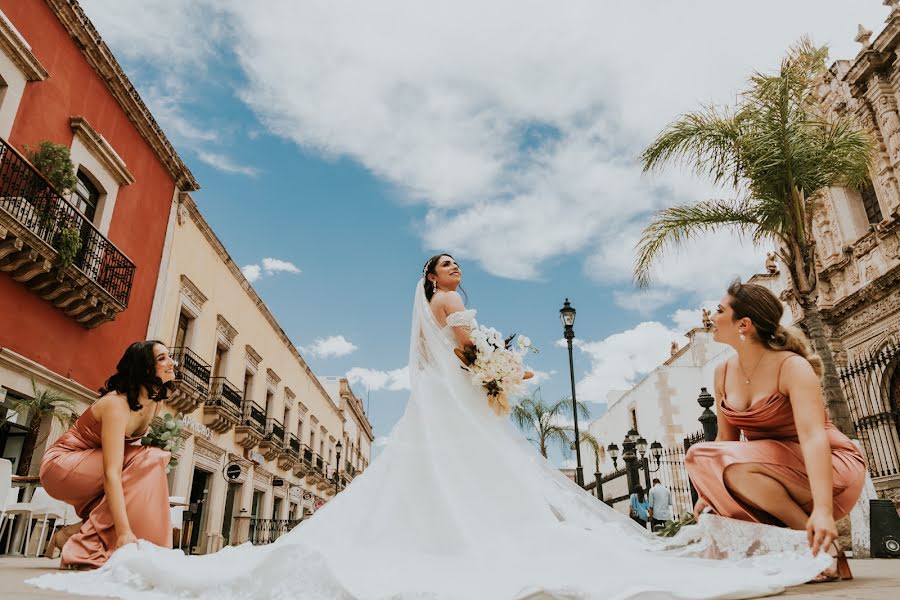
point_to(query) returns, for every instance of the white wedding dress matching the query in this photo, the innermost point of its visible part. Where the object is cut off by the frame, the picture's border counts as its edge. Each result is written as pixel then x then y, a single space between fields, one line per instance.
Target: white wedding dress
pixel 460 506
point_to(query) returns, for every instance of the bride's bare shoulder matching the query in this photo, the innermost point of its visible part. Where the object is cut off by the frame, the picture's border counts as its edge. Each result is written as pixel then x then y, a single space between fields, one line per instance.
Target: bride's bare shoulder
pixel 448 302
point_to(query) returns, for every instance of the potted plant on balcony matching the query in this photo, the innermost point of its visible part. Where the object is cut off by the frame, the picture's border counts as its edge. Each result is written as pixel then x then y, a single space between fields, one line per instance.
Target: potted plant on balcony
pixel 54 162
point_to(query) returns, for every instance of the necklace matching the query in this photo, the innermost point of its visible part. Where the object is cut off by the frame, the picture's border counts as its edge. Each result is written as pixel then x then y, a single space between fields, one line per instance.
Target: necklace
pixel 744 371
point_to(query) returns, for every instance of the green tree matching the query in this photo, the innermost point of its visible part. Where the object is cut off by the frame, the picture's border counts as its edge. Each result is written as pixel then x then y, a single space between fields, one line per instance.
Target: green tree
pixel 586 437
pixel 541 420
pixel 777 150
pixel 44 404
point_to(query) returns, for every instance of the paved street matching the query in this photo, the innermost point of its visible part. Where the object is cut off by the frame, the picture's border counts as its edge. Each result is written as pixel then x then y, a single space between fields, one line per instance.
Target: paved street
pixel 875 580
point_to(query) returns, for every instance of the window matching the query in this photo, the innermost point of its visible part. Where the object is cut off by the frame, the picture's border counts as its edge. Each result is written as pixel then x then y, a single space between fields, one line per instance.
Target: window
pixel 184 323
pixel 86 196
pixel 870 203
pixel 270 397
pixel 248 384
pixel 219 361
pixel 299 429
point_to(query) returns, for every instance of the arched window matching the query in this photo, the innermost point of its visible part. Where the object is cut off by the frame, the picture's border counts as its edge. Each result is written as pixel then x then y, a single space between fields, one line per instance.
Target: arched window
pixel 86 196
pixel 870 203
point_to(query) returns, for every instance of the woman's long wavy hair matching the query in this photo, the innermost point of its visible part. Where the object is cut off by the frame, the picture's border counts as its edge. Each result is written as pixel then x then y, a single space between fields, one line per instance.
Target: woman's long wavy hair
pixel 136 370
pixel 765 310
pixel 431 269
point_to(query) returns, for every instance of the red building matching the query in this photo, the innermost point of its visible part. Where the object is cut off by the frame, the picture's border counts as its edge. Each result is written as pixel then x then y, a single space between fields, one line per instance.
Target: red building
pixel 64 323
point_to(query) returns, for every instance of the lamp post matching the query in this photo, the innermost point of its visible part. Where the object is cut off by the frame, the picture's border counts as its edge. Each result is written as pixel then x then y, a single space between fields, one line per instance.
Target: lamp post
pixel 337 471
pixel 567 316
pixel 630 457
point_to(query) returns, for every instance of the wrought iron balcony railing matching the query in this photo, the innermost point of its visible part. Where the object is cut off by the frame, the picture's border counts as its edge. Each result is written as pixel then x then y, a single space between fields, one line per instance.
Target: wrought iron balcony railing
pixel 320 464
pixel 308 456
pixel 254 415
pixel 275 431
pixel 35 204
pixel 223 391
pixel 192 369
pixel 266 531
pixel 294 444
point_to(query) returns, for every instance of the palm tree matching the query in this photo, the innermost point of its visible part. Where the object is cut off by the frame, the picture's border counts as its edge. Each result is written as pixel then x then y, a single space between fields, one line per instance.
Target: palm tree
pixel 533 415
pixel 45 403
pixel 586 437
pixel 778 151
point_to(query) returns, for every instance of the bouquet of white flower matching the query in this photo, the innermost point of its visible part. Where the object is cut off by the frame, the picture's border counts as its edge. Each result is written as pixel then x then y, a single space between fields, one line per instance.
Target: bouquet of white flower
pixel 496 364
pixel 165 434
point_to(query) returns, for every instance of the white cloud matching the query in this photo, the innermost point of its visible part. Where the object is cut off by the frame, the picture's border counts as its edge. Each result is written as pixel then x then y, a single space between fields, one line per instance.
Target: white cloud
pixel 622 359
pixel 269 266
pixel 380 441
pixel 225 164
pixel 252 272
pixel 331 347
pixel 539 377
pixel 276 265
pixel 526 116
pixel 374 380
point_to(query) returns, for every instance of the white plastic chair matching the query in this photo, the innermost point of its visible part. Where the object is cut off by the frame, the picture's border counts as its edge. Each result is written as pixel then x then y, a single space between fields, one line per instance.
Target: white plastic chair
pixel 8 494
pixel 41 505
pixel 176 514
pixel 61 513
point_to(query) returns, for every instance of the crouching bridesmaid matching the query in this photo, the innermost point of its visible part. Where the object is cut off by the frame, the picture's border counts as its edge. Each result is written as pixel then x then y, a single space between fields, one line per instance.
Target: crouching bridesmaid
pixel 117 488
pixel 795 468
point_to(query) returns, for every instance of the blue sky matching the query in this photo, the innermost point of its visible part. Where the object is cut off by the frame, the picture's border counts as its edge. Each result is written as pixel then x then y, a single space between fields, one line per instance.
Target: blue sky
pixel 349 142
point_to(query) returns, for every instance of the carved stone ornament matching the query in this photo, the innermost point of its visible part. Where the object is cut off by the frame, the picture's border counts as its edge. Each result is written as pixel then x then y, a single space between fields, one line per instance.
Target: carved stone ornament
pixel 225 332
pixel 272 378
pixel 863 35
pixel 252 356
pixel 192 293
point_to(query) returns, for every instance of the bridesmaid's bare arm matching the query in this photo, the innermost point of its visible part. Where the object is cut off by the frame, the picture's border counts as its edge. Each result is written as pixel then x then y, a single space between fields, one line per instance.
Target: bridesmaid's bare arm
pixel 115 418
pixel 802 386
pixel 727 431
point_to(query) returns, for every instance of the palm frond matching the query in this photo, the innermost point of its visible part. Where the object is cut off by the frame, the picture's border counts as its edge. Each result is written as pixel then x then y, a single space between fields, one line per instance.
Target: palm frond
pixel 674 227
pixel 47 402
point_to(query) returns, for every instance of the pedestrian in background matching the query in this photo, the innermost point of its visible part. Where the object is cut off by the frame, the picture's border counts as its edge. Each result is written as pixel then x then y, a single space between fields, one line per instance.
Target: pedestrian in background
pixel 639 506
pixel 660 499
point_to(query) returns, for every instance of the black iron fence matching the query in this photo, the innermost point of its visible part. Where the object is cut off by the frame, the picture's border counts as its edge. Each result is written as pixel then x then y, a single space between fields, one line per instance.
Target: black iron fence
pixel 872 387
pixel 34 203
pixel 266 531
pixel 192 369
pixel 275 431
pixel 294 445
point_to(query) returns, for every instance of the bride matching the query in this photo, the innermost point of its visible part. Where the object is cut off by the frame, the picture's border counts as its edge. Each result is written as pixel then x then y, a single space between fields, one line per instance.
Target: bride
pixel 460 506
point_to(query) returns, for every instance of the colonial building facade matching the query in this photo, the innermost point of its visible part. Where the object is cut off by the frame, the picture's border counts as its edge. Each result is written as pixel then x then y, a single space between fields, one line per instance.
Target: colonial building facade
pixel 64 324
pixel 265 442
pixel 857 237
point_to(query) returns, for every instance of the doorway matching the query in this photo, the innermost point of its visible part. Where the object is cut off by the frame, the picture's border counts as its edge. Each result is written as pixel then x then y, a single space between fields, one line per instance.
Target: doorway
pixel 197 508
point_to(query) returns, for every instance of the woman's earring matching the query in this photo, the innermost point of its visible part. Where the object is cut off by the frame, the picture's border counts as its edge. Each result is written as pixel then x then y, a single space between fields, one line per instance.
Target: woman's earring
pixel 743 337
pixel 435 287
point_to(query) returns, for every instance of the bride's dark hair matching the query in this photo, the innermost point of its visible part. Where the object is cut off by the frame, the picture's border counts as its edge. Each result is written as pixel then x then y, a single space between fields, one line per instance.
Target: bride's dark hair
pixel 431 268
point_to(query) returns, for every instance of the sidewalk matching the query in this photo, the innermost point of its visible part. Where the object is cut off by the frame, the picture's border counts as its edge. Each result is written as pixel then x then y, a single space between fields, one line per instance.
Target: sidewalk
pixel 875 580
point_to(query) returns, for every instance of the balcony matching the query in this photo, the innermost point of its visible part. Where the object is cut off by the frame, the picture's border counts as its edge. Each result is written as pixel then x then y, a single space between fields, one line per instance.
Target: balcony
pixel 252 427
pixel 290 454
pixel 191 381
pixel 273 439
pixel 305 465
pixel 222 409
pixel 316 473
pixel 34 221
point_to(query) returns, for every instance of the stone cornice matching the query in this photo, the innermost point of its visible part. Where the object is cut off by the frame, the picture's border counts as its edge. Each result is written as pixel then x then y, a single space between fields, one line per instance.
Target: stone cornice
pixel 868 293
pixel 272 378
pixel 253 356
pixel 64 384
pixel 102 150
pixel 190 289
pixel 12 44
pixel 225 328
pixel 187 201
pixel 101 59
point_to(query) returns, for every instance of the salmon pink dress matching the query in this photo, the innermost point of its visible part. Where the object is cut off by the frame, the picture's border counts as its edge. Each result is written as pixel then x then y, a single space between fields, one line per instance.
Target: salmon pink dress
pixel 72 471
pixel 772 440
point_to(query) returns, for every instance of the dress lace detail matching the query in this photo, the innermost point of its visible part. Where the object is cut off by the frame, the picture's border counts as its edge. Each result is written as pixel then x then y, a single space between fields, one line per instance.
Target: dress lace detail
pixel 463 318
pixel 460 506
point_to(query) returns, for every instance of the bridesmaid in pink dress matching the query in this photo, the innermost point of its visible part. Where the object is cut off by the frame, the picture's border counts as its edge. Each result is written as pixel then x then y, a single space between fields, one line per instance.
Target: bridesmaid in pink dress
pixel 118 489
pixel 795 468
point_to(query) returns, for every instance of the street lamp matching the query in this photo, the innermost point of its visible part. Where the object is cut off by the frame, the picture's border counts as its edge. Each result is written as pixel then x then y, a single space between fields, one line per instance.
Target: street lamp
pixel 567 316
pixel 613 454
pixel 337 476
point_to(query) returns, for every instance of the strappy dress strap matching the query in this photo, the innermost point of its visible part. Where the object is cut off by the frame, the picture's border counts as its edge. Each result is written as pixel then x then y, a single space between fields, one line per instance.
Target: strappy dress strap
pixel 780 367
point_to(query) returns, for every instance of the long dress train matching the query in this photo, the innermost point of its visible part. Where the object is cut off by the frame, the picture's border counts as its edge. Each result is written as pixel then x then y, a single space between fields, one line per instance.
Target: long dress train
pixel 460 506
pixel 72 471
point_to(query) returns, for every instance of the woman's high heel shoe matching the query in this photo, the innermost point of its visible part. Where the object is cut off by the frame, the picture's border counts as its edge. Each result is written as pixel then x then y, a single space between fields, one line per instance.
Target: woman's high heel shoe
pixel 839 571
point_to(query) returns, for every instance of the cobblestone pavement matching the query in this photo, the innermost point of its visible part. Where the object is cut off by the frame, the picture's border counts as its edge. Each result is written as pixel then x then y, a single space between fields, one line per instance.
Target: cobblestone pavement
pixel 875 580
